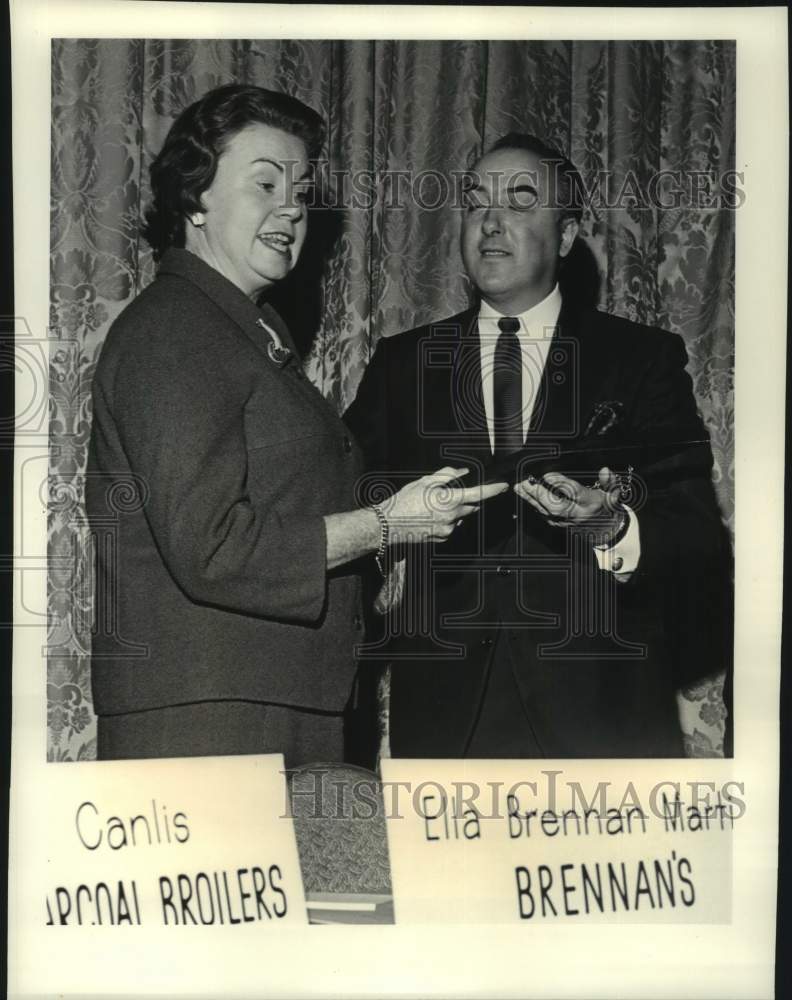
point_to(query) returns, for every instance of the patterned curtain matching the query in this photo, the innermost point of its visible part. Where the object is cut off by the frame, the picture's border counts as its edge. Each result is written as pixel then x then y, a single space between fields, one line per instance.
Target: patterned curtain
pixel 398 113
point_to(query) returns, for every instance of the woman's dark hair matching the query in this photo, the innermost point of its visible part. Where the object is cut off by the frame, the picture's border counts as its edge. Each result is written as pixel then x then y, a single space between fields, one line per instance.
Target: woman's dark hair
pixel 187 162
pixel 570 192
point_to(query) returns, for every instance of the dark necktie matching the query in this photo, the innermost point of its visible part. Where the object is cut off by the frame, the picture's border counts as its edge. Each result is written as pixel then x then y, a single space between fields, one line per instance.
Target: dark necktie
pixel 507 388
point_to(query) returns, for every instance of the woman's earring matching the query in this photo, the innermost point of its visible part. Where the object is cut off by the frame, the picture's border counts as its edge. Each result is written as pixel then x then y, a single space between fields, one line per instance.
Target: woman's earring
pixel 197 219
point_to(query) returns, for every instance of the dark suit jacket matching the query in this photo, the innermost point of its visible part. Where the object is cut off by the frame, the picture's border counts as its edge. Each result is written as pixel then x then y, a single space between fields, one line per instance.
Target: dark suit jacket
pixel 608 693
pixel 209 474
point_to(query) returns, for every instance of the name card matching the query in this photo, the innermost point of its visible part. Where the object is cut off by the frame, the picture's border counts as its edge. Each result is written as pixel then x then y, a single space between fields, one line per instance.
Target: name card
pixel 161 844
pixel 542 842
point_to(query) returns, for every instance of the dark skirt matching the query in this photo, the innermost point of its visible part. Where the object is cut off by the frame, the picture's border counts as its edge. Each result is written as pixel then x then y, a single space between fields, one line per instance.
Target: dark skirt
pixel 219 728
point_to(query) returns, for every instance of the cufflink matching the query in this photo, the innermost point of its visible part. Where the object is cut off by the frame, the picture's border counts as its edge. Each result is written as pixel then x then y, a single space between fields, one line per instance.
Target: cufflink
pixel 617 563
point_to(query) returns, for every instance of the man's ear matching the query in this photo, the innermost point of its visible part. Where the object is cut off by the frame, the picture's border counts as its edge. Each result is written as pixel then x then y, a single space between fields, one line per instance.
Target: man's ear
pixel 569 230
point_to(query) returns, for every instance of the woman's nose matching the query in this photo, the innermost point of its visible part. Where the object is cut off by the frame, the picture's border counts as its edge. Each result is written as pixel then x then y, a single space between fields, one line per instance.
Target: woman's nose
pixel 291 208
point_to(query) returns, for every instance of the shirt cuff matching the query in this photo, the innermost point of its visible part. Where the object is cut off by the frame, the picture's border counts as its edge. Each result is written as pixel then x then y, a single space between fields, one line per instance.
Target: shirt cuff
pixel 622 559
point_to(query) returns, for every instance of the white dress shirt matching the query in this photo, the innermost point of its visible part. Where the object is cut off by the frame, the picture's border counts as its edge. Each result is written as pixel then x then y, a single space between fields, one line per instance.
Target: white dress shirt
pixel 537 326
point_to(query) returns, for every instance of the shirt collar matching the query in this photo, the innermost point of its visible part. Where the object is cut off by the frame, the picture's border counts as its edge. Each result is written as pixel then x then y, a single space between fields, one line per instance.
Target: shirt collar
pixel 534 321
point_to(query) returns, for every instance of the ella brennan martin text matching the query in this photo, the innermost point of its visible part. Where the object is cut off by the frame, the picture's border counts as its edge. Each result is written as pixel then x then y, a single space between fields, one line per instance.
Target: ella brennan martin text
pixel 442 823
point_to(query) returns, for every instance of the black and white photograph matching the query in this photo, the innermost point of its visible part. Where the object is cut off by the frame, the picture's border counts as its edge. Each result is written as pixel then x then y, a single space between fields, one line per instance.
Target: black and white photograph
pixel 210 487
pixel 391 413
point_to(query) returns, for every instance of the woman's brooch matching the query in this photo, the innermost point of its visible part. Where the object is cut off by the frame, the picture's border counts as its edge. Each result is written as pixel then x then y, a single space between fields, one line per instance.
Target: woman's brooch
pixel 276 352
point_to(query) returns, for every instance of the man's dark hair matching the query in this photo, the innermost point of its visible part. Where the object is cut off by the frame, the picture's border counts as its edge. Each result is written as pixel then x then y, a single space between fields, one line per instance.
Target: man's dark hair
pixel 569 184
pixel 186 165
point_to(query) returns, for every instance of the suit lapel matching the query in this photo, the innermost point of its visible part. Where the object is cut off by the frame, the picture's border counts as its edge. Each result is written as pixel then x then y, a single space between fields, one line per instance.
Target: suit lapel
pixel 245 313
pixel 555 410
pixel 451 420
pixel 467 391
pixel 248 317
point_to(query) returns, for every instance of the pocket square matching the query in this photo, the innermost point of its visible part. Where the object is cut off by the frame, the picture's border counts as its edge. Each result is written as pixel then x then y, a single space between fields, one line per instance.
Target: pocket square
pixel 605 418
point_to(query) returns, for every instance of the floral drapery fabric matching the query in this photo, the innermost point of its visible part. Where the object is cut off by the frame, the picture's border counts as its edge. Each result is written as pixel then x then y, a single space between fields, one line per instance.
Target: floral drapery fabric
pixel 401 117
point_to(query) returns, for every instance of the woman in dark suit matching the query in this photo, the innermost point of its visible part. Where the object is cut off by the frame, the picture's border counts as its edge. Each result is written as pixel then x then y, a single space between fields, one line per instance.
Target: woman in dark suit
pixel 221 484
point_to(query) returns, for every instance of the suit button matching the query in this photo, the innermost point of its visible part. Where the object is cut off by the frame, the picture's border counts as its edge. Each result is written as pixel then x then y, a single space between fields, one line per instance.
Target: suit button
pixel 357 622
pixel 347 445
pixel 487 641
pixel 503 571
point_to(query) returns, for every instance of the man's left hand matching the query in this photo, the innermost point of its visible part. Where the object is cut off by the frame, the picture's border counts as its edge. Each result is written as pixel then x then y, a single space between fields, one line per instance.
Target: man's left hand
pixel 566 503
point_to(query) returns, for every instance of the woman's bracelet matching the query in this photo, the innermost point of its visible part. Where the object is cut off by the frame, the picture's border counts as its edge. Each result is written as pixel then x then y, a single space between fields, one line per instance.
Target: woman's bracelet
pixel 384 536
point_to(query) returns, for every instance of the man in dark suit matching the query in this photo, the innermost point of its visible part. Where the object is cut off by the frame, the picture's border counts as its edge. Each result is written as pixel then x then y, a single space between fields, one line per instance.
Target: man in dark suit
pixel 561 620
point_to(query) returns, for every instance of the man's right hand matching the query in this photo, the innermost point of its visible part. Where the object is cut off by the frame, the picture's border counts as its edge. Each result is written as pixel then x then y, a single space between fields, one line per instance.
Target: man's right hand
pixel 428 509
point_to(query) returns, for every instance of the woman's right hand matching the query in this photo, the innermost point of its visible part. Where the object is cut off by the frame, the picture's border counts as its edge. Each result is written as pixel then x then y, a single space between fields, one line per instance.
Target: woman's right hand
pixel 428 509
